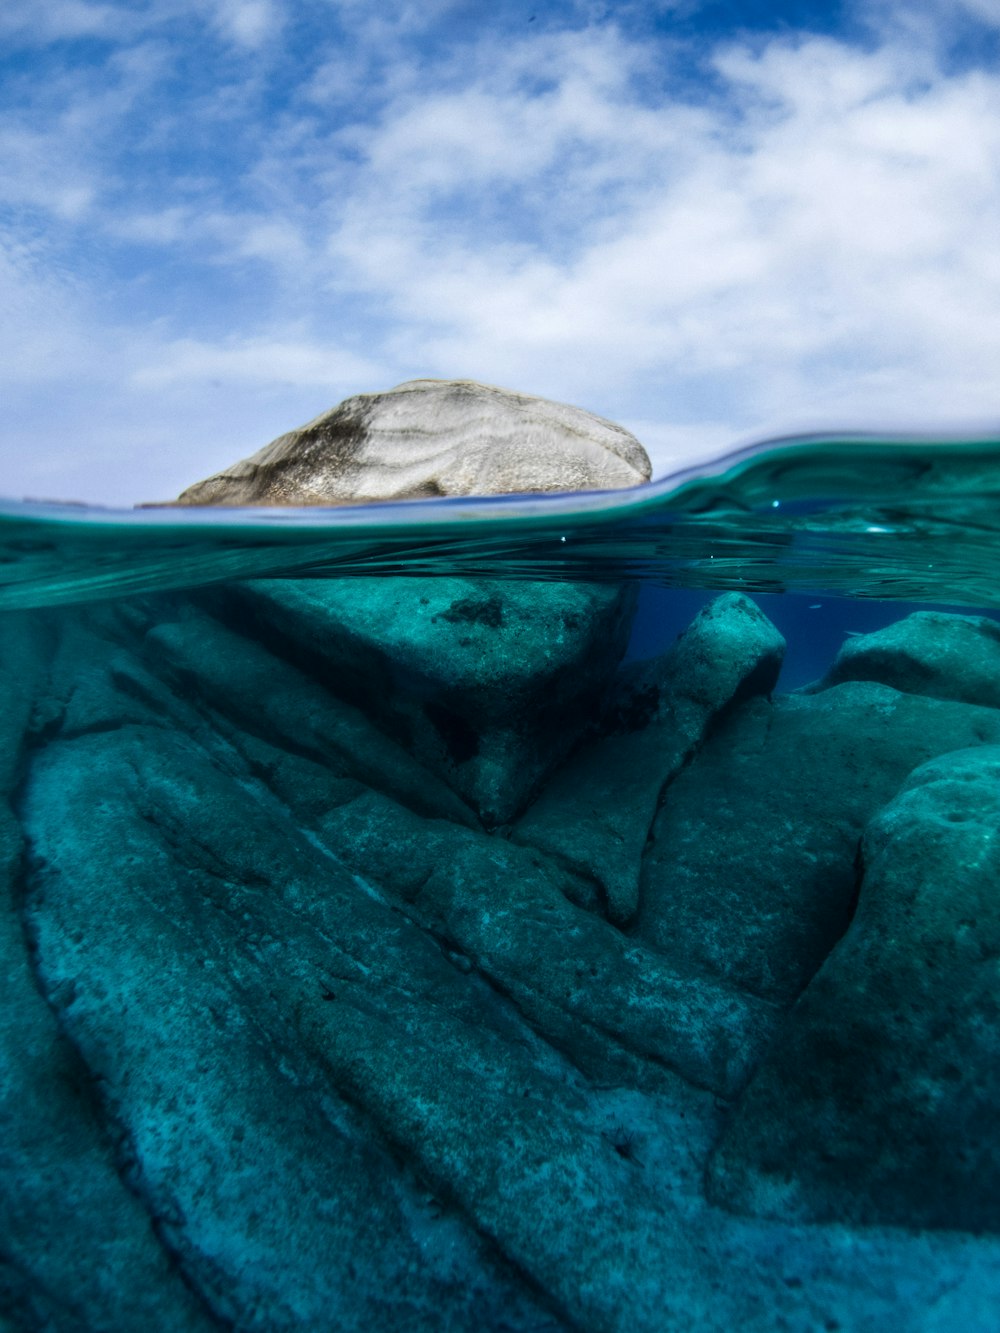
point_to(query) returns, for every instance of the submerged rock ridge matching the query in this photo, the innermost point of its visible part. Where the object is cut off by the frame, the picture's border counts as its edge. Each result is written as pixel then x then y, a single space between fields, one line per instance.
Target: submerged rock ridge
pixel 432 438
pixel 341 995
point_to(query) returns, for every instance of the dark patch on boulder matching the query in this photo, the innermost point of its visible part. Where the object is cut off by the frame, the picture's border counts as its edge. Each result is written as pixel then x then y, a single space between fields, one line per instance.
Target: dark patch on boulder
pixel 458 734
pixel 486 611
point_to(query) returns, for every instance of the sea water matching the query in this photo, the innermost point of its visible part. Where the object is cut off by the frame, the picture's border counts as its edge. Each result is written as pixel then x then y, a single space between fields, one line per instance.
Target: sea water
pixel 379 954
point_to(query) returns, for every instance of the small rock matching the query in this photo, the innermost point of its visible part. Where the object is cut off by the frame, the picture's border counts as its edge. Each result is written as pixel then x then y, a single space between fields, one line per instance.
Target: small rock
pixel 432 438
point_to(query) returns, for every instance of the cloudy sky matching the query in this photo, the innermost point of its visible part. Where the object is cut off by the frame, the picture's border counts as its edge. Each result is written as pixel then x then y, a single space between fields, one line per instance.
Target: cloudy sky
pixel 707 221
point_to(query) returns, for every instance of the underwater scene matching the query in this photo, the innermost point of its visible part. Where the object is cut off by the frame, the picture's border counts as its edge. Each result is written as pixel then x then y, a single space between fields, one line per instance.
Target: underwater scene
pixel 520 913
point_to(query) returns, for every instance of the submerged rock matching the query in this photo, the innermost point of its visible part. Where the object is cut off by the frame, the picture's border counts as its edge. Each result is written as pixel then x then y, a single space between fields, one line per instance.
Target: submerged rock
pixel 933 653
pixel 78 1250
pixel 427 438
pixel 881 1103
pixel 223 998
pixel 291 1040
pixel 751 873
pixel 488 683
pixel 596 814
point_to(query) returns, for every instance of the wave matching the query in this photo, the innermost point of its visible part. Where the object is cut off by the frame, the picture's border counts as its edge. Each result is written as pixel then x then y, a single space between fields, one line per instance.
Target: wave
pixel 898 518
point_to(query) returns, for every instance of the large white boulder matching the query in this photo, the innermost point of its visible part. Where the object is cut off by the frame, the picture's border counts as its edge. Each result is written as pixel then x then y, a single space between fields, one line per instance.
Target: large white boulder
pixel 431 438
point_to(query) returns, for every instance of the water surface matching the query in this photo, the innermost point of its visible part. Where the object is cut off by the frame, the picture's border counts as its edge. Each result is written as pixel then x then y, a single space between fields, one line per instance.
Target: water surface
pixel 887 518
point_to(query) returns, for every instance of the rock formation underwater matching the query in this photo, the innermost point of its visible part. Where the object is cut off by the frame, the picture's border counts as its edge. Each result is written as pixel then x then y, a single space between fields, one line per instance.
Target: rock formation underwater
pixel 405 953
pixel 383 954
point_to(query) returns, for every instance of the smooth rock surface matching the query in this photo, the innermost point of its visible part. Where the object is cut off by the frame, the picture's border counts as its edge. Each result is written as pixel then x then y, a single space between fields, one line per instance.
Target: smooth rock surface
pixel 881 1102
pixel 932 653
pixel 432 438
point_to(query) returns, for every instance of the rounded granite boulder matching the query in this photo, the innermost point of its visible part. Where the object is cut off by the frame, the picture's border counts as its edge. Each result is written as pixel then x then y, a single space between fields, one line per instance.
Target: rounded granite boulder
pixel 431 438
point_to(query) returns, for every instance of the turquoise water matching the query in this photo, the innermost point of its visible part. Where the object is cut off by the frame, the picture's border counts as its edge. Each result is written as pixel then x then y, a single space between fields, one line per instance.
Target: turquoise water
pixel 526 913
pixel 859 517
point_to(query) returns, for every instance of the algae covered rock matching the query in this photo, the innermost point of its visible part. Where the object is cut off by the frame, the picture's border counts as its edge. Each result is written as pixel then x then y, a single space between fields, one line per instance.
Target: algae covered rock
pixel 881 1103
pixel 933 653
pixel 488 683
pixel 427 438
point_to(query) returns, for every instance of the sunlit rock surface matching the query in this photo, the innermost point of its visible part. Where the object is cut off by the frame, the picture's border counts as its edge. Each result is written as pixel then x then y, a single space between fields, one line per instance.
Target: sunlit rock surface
pixel 427 438
pixel 294 1036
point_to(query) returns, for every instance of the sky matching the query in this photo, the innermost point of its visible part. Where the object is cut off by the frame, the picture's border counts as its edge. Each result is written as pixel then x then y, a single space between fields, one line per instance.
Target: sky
pixel 710 222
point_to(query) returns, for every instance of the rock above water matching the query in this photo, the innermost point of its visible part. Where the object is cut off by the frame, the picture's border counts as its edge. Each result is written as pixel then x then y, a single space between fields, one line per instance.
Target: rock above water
pixel 881 1104
pixel 431 438
pixel 930 652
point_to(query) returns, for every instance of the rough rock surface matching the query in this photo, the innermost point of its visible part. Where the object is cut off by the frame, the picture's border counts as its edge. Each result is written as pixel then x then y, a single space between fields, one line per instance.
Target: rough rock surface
pixel 488 684
pixel 596 815
pixel 752 870
pixel 78 1251
pixel 431 438
pixel 933 653
pixel 880 1103
pixel 288 1039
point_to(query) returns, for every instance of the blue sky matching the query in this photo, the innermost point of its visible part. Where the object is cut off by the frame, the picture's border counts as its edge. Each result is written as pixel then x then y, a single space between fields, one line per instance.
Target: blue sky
pixel 705 221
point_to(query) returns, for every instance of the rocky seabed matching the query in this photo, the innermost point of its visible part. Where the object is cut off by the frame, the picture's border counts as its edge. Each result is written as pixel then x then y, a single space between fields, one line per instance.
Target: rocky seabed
pixel 382 954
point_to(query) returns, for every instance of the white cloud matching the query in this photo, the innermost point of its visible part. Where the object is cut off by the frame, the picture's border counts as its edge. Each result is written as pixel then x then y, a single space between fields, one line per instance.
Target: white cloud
pixel 60 20
pixel 987 11
pixel 831 250
pixel 251 361
pixel 248 23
